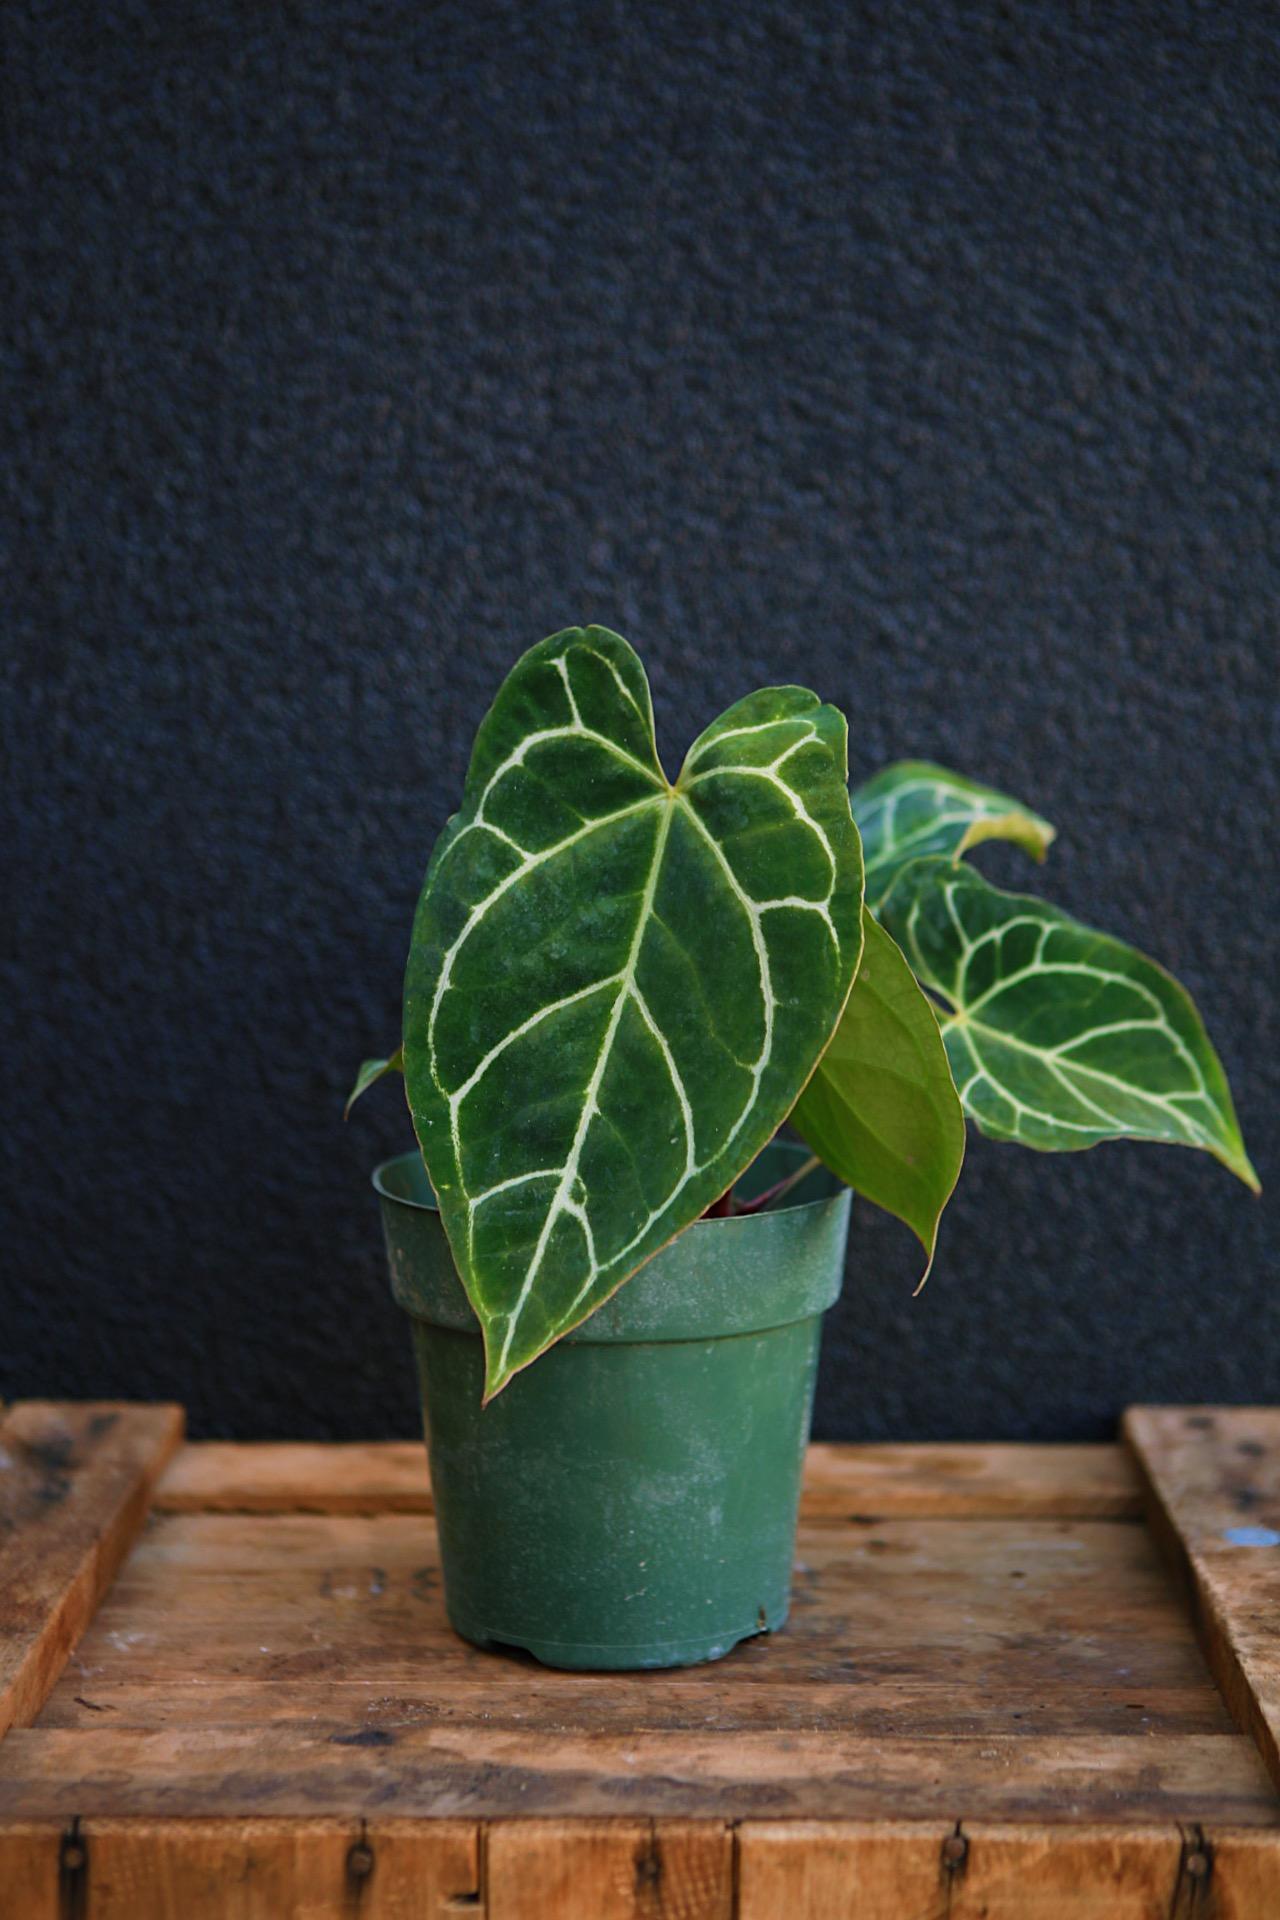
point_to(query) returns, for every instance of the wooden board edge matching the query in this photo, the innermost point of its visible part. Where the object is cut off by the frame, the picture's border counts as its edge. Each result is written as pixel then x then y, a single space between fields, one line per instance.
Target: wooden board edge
pixel 1008 1870
pixel 842 1482
pixel 756 1869
pixel 624 1868
pixel 1211 1615
pixel 127 1448
pixel 476 1771
pixel 334 1866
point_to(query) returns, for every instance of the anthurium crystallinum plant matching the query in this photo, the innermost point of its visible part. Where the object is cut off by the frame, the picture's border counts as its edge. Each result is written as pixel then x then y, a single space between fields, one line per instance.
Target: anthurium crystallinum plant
pixel 619 989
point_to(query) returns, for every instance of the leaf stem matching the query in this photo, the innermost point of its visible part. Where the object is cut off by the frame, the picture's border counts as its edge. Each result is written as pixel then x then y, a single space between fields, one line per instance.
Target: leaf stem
pixel 781 1188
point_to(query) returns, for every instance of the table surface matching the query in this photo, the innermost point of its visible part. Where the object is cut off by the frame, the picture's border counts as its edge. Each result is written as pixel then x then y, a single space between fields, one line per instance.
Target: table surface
pixel 1002 1662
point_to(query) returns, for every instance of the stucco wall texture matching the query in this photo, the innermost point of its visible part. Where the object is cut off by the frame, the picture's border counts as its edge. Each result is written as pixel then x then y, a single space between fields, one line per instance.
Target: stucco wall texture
pixel 925 355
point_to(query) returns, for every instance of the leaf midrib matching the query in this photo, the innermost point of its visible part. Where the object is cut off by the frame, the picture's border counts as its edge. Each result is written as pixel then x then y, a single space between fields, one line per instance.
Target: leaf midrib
pixel 568 1198
pixel 558 1206
pixel 627 990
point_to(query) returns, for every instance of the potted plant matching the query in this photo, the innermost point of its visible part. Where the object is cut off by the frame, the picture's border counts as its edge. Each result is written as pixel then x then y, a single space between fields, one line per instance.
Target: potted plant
pixel 618 990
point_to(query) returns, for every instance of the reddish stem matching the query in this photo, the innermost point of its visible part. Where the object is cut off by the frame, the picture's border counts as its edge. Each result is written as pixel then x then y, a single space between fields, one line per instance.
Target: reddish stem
pixel 728 1206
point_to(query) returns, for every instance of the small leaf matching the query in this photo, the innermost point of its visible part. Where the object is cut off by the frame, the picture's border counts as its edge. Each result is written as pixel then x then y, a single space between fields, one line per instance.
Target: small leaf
pixel 1060 1036
pixel 881 1109
pixel 617 987
pixel 914 808
pixel 371 1070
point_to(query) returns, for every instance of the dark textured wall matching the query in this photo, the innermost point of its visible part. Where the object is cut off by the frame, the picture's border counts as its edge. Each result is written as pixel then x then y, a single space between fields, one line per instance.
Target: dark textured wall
pixel 925 355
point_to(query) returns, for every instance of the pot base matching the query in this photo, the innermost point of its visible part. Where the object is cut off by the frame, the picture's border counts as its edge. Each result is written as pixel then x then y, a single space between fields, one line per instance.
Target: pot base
pixel 586 1657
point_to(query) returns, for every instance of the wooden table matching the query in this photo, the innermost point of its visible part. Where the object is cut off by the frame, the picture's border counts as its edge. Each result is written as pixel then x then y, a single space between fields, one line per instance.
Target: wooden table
pixel 227 1687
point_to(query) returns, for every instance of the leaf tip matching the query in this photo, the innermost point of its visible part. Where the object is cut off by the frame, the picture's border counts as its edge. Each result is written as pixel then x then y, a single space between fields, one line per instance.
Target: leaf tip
pixel 1242 1166
pixel 496 1373
pixel 1045 839
pixel 918 1289
pixel 1025 830
pixel 371 1071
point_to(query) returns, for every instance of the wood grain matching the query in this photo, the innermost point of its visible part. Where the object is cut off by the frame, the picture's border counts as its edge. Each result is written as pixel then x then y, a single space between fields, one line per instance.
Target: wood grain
pixel 274 1869
pixel 1244 1879
pixel 825 1870
pixel 269 1476
pixel 474 1771
pixel 1040 1873
pixel 75 1483
pixel 609 1870
pixel 1213 1481
pixel 333 1614
pixel 988 1703
pixel 962 1481
pixel 29 1870
pixel 909 1870
pixel 1017 1704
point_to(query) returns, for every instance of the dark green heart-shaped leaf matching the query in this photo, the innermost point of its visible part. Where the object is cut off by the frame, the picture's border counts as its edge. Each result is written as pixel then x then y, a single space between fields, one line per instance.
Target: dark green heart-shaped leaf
pixel 1060 1036
pixel 881 1109
pixel 616 987
pixel 371 1071
pixel 914 808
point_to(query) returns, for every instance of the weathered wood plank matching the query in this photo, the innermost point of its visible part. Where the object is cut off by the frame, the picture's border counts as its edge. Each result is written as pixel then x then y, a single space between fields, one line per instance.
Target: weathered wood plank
pixel 989 1481
pixel 1042 1873
pixel 910 1870
pixel 609 1870
pixel 987 1703
pixel 29 1870
pixel 1010 1703
pixel 1009 1626
pixel 962 1481
pixel 173 1869
pixel 268 1476
pixel 818 1870
pixel 1243 1881
pixel 75 1484
pixel 256 1869
pixel 473 1771
pixel 1213 1479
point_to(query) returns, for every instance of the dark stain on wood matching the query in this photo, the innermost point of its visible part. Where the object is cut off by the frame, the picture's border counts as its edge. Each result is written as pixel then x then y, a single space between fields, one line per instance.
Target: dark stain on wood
pixel 73 1875
pixel 955 1854
pixel 648 1867
pixel 50 1459
pixel 1194 1895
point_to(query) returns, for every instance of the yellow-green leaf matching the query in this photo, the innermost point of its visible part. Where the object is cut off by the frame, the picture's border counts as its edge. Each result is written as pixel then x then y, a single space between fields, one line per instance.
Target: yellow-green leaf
pixel 914 808
pixel 881 1109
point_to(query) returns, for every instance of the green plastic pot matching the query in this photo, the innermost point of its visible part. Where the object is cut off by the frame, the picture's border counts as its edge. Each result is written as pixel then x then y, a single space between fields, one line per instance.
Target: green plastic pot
pixel 630 1499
